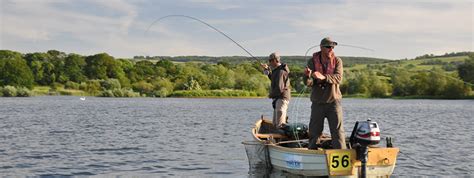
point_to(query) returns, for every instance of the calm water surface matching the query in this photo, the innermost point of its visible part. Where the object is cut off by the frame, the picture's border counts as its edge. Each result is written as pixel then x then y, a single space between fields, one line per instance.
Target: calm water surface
pixel 202 137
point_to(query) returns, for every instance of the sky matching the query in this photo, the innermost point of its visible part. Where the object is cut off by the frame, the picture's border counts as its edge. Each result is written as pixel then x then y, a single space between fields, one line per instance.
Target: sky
pixel 126 28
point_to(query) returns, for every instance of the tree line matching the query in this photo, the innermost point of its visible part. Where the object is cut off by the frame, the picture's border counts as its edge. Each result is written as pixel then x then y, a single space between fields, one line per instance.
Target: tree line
pixel 103 75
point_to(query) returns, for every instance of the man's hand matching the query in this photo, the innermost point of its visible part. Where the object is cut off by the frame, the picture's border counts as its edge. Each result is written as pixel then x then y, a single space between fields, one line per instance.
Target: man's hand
pixel 264 66
pixel 307 71
pixel 319 76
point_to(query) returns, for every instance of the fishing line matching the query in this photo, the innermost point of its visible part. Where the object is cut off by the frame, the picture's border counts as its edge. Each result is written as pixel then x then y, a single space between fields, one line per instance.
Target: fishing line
pixel 352 46
pixel 205 23
pixel 295 110
pixel 419 162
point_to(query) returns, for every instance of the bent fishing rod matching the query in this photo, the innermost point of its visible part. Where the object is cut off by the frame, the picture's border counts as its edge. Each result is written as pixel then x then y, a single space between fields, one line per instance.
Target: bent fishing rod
pixel 205 23
pixel 353 46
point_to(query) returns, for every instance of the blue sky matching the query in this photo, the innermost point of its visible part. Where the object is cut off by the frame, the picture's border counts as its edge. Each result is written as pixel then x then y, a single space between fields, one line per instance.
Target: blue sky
pixel 394 29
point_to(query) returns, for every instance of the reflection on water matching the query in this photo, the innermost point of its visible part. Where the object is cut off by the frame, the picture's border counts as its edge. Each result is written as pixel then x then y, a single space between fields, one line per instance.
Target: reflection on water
pixel 203 137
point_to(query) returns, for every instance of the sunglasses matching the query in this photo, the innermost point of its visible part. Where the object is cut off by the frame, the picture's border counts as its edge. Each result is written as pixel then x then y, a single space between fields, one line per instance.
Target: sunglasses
pixel 329 47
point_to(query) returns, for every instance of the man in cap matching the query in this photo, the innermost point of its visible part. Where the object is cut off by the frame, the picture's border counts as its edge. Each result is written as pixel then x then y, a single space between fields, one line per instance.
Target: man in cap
pixel 324 74
pixel 280 90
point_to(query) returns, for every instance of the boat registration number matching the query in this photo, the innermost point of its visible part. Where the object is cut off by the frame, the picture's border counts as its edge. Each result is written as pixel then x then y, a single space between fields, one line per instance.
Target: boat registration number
pixel 340 161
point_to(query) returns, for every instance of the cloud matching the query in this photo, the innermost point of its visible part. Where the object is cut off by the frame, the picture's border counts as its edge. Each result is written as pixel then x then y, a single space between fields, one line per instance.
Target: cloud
pixel 394 29
pixel 47 21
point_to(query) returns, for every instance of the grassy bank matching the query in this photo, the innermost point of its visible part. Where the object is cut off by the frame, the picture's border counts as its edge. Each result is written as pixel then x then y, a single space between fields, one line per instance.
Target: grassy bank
pixel 227 93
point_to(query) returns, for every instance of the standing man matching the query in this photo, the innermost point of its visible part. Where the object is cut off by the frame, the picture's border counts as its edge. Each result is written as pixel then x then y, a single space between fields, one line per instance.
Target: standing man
pixel 280 88
pixel 324 73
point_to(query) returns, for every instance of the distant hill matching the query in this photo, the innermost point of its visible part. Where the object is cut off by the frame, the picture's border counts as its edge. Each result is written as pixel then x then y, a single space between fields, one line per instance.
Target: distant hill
pixel 291 60
pixel 426 61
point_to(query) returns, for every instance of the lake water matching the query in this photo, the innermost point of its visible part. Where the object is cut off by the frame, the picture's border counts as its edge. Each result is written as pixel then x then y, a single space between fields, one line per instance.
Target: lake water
pixel 202 137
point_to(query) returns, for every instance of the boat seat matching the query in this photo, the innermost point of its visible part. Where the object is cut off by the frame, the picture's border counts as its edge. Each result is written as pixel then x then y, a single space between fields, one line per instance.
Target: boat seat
pixel 273 135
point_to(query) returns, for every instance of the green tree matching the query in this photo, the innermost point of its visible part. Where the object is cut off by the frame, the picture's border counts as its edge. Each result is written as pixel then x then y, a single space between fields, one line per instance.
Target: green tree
pixel 37 61
pixel 357 82
pixel 49 77
pixel 378 87
pixel 73 68
pixel 402 83
pixel 14 70
pixel 110 84
pixel 143 87
pixel 144 70
pixel 163 87
pixel 96 66
pixel 466 70
pixel 456 89
pixel 437 82
pixel 93 87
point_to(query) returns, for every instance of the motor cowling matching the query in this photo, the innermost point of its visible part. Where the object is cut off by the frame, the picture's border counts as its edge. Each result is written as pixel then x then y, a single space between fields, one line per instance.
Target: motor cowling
pixel 365 133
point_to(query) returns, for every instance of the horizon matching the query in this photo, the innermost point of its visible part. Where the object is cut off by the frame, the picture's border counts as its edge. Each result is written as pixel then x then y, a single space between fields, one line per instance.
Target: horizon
pixel 133 57
pixel 395 30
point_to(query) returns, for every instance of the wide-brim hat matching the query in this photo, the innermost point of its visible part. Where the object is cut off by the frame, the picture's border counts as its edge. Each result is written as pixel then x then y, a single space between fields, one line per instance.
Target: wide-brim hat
pixel 328 42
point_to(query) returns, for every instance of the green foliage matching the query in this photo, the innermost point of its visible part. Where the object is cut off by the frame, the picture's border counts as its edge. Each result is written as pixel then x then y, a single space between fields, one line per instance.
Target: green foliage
pixel 14 70
pixel 9 91
pixel 119 93
pixel 378 88
pixel 466 70
pixel 402 83
pixel 72 85
pixel 110 84
pixel 96 67
pixel 214 93
pixel 23 92
pixel 456 89
pixel 355 82
pixel 73 68
pixel 143 87
pixel 163 87
pixel 93 87
pixel 101 74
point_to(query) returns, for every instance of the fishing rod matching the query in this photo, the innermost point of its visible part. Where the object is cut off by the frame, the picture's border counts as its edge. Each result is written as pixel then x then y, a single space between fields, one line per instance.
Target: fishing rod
pixel 205 23
pixel 353 46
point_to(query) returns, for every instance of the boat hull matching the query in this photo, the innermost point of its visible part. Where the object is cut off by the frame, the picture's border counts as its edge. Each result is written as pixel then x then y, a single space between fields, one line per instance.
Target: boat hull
pixel 324 162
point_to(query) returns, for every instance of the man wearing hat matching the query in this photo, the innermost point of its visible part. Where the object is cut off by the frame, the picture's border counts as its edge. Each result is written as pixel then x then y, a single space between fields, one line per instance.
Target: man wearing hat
pixel 324 74
pixel 280 90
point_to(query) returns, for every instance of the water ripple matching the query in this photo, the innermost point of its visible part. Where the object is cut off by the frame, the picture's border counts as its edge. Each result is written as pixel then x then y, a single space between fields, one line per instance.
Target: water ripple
pixel 183 137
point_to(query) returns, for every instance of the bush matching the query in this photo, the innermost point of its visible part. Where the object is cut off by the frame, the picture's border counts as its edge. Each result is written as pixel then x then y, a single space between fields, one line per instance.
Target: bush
pixel 143 87
pixel 130 93
pixel 9 91
pixel 110 84
pixel 63 92
pixel 214 93
pixel 163 87
pixel 23 92
pixel 93 86
pixel 56 86
pixel 1 91
pixel 119 93
pixel 72 85
pixel 83 86
pixel 163 92
pixel 106 93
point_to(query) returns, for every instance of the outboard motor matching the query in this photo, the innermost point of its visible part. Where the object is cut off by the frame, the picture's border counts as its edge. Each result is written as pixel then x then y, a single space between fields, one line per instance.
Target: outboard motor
pixel 365 133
